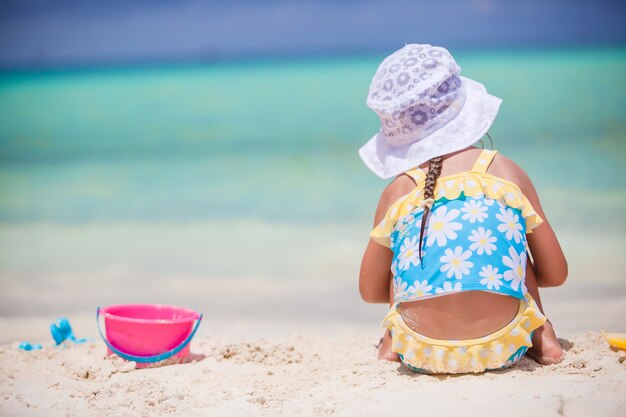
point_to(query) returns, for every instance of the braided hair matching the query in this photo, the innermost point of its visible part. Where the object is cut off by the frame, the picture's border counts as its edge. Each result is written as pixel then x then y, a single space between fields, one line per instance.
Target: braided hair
pixel 434 170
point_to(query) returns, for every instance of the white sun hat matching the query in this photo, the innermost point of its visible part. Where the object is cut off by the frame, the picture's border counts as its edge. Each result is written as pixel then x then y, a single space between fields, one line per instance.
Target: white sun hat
pixel 425 108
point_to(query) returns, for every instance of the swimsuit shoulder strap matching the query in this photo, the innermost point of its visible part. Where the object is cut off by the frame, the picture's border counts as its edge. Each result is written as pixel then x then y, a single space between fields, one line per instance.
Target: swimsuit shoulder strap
pixel 483 161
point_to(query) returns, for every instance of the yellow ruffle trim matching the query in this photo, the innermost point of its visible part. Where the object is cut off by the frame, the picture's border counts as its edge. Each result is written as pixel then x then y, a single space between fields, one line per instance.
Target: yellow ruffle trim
pixel 464 356
pixel 473 184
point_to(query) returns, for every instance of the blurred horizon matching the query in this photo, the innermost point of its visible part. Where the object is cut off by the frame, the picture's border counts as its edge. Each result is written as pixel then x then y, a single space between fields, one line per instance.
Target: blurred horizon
pixel 40 35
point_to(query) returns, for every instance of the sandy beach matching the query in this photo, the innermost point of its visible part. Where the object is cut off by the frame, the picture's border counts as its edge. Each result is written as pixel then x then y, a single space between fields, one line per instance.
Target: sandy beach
pixel 278 364
pixel 303 375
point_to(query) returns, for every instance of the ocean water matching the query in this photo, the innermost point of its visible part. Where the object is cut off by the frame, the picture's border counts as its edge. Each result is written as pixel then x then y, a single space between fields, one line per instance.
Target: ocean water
pixel 277 140
pixel 251 168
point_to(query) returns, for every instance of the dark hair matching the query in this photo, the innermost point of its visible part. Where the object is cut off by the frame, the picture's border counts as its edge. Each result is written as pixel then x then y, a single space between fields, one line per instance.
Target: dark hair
pixel 434 170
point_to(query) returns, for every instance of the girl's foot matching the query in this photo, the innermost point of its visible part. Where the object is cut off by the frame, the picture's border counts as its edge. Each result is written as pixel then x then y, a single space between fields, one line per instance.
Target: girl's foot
pixel 546 348
pixel 384 349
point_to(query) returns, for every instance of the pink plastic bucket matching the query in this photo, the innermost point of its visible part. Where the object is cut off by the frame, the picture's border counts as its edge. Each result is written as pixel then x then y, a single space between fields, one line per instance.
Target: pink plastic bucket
pixel 147 333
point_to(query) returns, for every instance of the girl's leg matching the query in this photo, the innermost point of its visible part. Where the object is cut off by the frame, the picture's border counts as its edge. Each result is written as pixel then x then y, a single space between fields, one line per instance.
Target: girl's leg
pixel 546 348
pixel 384 348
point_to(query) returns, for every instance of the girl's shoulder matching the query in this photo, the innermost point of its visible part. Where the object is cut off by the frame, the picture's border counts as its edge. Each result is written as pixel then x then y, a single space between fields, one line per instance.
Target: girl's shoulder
pixel 396 189
pixel 458 163
pixel 505 168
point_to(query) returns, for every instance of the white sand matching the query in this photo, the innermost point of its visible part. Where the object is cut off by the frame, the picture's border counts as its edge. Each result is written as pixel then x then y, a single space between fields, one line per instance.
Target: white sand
pixel 302 375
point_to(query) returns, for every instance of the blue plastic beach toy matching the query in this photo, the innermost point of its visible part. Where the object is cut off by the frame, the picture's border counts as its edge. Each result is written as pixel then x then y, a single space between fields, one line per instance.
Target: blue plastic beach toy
pixel 29 346
pixel 62 331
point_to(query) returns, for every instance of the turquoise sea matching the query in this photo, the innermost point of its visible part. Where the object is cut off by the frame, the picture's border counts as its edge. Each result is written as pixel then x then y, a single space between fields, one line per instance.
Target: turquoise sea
pixel 199 169
pixel 277 140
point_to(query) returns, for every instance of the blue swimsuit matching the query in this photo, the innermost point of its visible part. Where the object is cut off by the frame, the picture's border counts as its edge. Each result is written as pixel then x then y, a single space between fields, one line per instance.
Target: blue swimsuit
pixel 475 239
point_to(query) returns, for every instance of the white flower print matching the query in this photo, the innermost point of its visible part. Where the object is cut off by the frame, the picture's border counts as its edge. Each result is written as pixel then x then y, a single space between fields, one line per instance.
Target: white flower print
pixel 456 263
pixel 399 285
pixel 497 347
pixel 510 224
pixel 491 278
pixel 394 210
pixel 394 267
pixel 409 354
pixel 511 197
pixel 483 241
pixel 517 263
pixel 401 297
pixel 398 345
pixel 488 201
pixel 448 287
pixel 474 211
pixel 409 253
pixel 409 219
pixel 420 288
pixel 441 227
pixel 392 240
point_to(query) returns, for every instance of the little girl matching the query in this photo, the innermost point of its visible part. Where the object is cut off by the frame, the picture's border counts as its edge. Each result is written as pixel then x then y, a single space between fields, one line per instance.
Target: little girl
pixel 460 242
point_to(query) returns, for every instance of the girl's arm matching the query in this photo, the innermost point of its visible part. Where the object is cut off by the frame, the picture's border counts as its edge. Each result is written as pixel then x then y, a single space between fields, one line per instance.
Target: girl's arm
pixel 375 275
pixel 550 265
